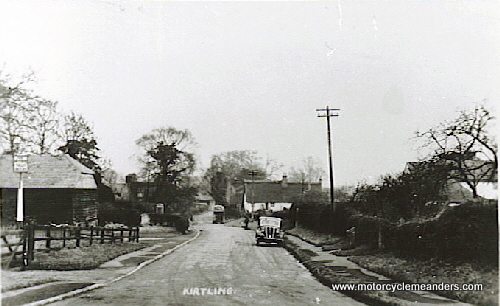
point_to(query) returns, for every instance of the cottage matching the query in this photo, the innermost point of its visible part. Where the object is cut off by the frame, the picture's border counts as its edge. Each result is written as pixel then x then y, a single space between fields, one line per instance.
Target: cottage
pixel 57 189
pixel 274 195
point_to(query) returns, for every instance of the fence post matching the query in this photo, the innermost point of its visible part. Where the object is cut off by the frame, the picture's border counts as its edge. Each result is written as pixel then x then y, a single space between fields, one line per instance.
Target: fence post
pixel 112 236
pixel 64 237
pixel 102 236
pixel 77 233
pixel 137 235
pixel 47 234
pixel 31 249
pixel 121 235
pixel 91 234
pixel 25 256
pixel 130 234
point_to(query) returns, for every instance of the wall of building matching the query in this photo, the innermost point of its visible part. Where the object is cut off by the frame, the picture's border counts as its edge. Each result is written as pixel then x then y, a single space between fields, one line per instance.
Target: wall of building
pixel 50 205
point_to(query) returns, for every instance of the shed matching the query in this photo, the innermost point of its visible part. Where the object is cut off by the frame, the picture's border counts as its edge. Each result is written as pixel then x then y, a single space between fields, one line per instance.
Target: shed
pixel 57 189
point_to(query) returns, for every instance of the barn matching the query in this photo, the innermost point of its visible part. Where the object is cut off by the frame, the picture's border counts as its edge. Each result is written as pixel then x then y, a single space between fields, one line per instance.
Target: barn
pixel 57 189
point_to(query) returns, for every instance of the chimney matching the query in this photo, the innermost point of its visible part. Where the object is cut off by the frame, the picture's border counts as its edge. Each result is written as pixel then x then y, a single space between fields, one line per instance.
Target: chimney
pixel 131 178
pixel 284 181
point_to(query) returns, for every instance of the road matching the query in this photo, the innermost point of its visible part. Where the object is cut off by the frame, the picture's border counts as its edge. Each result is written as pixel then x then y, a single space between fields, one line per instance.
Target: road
pixel 222 267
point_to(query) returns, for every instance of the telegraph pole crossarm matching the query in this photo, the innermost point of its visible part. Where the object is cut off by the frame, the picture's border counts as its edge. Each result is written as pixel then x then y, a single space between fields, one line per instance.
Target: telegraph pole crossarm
pixel 330 112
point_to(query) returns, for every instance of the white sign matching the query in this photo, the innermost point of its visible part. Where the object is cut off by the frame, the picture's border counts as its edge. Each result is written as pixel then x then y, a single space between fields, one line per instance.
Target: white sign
pixel 20 202
pixel 20 163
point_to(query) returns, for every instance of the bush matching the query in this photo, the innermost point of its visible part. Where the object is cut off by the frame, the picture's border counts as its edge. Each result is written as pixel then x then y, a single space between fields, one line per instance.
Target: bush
pixel 372 230
pixel 319 217
pixel 164 219
pixel 466 232
pixel 115 213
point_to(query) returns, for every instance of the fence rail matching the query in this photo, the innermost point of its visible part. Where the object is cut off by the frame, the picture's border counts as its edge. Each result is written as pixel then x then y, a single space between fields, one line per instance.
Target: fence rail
pixel 46 237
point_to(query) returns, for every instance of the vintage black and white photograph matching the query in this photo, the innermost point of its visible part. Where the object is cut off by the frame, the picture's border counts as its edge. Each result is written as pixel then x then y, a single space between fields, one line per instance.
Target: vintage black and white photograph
pixel 157 152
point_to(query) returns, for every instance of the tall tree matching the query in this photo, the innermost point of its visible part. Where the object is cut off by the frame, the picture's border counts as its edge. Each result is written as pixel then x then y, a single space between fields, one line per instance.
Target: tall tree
pixel 167 158
pixel 43 125
pixel 231 168
pixel 26 118
pixel 15 112
pixel 466 145
pixel 231 163
pixel 80 142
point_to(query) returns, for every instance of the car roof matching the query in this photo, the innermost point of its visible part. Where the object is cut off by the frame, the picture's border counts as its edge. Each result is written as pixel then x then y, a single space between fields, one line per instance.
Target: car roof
pixel 271 218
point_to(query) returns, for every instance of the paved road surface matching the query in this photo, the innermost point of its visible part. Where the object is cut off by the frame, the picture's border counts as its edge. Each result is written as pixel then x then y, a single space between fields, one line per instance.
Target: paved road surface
pixel 222 267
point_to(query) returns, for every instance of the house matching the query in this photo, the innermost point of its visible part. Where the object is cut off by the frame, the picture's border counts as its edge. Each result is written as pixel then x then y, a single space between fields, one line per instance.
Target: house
pixel 57 189
pixel 138 191
pixel 204 201
pixel 274 195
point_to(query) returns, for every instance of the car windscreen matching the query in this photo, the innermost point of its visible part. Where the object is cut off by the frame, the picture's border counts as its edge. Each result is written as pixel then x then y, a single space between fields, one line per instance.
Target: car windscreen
pixel 270 222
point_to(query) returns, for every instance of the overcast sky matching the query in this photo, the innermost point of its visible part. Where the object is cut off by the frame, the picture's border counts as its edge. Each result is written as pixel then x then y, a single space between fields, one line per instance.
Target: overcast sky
pixel 250 75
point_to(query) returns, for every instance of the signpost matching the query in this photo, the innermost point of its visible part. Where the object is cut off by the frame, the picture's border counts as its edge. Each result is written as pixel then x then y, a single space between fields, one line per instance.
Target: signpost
pixel 20 166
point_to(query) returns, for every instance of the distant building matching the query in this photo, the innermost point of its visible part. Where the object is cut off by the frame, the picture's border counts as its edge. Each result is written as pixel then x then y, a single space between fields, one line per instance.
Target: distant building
pixel 57 189
pixel 274 195
pixel 138 191
pixel 204 201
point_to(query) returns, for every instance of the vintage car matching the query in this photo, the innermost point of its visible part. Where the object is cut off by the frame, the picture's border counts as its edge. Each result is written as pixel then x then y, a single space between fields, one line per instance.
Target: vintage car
pixel 218 214
pixel 269 231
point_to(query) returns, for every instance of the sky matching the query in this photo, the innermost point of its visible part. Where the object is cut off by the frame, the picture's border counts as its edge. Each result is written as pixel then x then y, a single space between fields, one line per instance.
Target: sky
pixel 250 75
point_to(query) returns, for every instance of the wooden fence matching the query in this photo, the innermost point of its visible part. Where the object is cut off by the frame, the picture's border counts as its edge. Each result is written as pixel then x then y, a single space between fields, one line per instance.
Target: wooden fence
pixel 34 238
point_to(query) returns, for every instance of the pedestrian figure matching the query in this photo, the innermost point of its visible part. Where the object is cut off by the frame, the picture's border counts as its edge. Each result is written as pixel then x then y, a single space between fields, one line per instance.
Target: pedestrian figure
pixel 247 220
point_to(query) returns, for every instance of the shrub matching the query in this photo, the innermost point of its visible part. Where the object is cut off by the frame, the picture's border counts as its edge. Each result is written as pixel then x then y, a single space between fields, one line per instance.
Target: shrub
pixel 115 213
pixel 466 232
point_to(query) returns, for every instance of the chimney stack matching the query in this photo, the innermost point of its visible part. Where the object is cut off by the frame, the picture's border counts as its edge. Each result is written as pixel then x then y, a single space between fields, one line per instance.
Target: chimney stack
pixel 284 181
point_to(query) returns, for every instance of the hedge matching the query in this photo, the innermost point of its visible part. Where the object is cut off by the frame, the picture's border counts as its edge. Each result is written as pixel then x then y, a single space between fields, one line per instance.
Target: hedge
pixel 467 232
pixel 110 213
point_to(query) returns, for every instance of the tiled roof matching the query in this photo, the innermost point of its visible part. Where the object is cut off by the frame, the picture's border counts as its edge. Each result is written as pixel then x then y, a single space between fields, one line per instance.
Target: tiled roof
pixel 275 192
pixel 47 171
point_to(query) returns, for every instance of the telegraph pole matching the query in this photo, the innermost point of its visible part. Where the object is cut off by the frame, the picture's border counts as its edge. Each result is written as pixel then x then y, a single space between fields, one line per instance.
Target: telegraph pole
pixel 330 112
pixel 253 173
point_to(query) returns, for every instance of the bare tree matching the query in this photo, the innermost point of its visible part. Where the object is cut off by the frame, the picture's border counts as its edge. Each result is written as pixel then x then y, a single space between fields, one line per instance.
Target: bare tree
pixel 75 127
pixel 80 143
pixel 231 163
pixel 271 166
pixel 232 167
pixel 26 118
pixel 309 170
pixel 43 125
pixel 466 146
pixel 14 111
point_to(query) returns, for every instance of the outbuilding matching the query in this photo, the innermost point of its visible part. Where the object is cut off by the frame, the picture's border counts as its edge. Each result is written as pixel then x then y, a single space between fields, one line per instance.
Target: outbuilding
pixel 56 189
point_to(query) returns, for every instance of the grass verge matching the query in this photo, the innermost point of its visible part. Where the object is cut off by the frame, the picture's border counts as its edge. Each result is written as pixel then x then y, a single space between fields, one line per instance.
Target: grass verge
pixel 328 275
pixel 434 271
pixel 411 270
pixel 83 258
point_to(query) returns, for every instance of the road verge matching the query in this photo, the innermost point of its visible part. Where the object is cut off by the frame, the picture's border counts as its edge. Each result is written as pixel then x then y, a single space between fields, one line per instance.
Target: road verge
pixel 333 270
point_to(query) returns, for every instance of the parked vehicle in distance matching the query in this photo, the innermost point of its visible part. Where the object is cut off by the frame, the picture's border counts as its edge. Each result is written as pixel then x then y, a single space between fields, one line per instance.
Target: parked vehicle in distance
pixel 218 214
pixel 269 231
